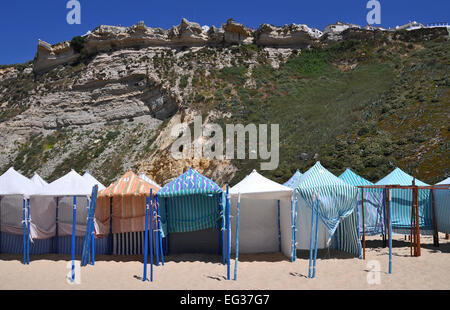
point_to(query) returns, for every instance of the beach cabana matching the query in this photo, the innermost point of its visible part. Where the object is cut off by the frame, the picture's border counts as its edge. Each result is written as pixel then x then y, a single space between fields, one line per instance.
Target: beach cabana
pixel 292 182
pixel 15 226
pixel 402 200
pixel 263 208
pixel 442 205
pixel 191 214
pixel 93 181
pixel 120 213
pixel 334 202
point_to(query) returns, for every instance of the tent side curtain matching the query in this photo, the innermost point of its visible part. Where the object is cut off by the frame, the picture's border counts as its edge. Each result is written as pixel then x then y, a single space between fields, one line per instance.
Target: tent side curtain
pixel 442 207
pixel 347 237
pixel 190 212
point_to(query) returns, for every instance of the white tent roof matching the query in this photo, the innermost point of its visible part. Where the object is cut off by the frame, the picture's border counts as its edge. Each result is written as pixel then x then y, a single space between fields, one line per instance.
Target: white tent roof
pixel 444 182
pixel 147 179
pixel 14 183
pixel 93 181
pixel 256 186
pixel 72 184
pixel 37 180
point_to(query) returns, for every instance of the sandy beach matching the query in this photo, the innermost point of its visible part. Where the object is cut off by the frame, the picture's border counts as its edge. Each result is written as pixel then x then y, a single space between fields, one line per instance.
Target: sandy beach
pixel 263 271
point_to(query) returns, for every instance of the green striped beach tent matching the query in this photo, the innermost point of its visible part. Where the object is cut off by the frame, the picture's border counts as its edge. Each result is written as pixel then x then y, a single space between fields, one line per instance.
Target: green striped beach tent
pixel 442 206
pixel 402 201
pixel 293 181
pixel 337 202
pixel 374 210
pixel 191 211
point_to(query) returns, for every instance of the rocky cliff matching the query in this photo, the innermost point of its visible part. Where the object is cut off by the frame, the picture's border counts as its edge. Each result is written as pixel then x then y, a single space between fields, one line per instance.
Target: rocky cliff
pixel 108 104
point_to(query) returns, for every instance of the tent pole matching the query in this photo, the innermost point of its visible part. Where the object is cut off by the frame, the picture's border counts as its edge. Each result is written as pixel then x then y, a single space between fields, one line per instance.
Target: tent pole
pixel 279 227
pixel 167 223
pixel 28 231
pixel 311 241
pixel 237 237
pixel 315 238
pixel 93 247
pixel 228 235
pixel 24 233
pixel 417 221
pixel 293 230
pixel 0 224
pixel 155 232
pixel 159 230
pixel 151 239
pixel 363 223
pixel 223 229
pixel 435 234
pixel 56 228
pixel 144 277
pixel 111 243
pixel 390 230
pixel 74 223
pixel 411 226
pixel 359 231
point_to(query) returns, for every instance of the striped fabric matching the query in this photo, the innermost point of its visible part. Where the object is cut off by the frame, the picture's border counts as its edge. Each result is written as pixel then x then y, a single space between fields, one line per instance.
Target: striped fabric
pixel 442 207
pixel 293 181
pixel 13 244
pixel 402 202
pixel 129 194
pixel 191 202
pixel 373 204
pixel 131 243
pixel 190 183
pixel 337 201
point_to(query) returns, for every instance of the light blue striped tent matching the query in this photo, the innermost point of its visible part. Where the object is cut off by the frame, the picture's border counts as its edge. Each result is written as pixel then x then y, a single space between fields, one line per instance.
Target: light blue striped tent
pixel 402 202
pixel 373 204
pixel 337 204
pixel 293 181
pixel 442 206
pixel 190 203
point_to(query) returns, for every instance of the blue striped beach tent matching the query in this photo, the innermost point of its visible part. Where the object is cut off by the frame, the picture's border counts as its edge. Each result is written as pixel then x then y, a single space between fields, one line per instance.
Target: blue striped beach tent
pixel 191 210
pixel 402 202
pixel 442 206
pixel 293 181
pixel 373 204
pixel 334 200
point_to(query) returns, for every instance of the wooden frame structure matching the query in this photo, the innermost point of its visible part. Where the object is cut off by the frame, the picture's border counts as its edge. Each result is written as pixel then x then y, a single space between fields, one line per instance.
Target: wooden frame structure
pixel 415 249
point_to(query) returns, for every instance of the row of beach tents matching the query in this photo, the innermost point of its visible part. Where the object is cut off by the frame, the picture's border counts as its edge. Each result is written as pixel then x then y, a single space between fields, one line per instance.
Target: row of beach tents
pixel 192 214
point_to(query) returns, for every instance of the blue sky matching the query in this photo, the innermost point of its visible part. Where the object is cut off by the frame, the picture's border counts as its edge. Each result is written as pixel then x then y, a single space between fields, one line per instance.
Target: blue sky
pixel 22 23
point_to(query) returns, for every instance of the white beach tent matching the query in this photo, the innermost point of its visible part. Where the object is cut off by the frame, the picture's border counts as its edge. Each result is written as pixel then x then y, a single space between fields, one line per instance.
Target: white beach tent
pixel 93 181
pixel 147 179
pixel 15 190
pixel 442 206
pixel 37 180
pixel 265 215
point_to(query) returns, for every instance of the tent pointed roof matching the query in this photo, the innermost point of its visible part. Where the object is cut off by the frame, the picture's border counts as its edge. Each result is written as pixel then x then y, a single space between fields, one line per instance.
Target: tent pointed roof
pixel 352 178
pixel 444 182
pixel 190 183
pixel 129 185
pixel 37 180
pixel 399 177
pixel 318 177
pixel 293 181
pixel 144 177
pixel 93 181
pixel 71 184
pixel 14 183
pixel 255 184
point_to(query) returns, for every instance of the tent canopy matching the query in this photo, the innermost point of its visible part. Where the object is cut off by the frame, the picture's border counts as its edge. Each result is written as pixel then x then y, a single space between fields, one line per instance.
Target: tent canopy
pixel 190 183
pixel 129 185
pixel 373 203
pixel 337 200
pixel 444 182
pixel 256 186
pixel 36 179
pixel 442 205
pixel 147 179
pixel 399 177
pixel 93 181
pixel 293 181
pixel 14 183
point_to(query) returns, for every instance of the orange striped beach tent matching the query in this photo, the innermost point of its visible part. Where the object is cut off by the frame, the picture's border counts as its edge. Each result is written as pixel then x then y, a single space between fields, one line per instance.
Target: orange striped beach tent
pixel 128 197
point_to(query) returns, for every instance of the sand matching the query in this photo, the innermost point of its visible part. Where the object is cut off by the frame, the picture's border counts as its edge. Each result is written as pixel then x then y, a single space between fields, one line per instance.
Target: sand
pixel 262 271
